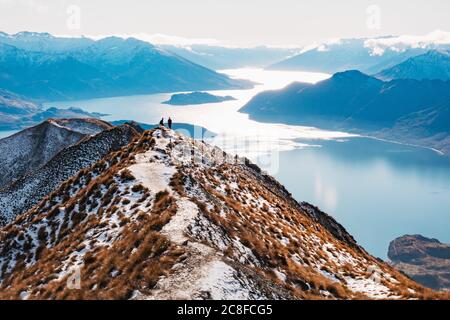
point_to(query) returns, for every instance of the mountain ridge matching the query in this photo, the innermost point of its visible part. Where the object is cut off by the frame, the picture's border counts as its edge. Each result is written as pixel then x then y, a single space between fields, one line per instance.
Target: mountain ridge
pixel 342 55
pixel 406 110
pixel 168 217
pixel 23 193
pixel 435 64
pixel 108 67
pixel 18 112
pixel 30 149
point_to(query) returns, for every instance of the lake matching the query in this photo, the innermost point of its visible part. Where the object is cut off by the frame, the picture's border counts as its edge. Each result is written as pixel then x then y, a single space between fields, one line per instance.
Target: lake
pixel 377 190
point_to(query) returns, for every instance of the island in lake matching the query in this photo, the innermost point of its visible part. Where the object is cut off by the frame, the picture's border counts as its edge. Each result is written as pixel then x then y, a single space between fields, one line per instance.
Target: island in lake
pixel 181 99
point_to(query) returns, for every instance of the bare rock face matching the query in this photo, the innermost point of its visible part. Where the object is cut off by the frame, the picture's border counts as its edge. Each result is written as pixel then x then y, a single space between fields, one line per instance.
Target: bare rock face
pixel 425 260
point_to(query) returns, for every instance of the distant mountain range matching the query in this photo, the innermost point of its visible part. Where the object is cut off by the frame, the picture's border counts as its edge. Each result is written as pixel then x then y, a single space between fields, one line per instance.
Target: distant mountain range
pixel 44 67
pixel 434 64
pixel 345 54
pixel 219 57
pixel 18 112
pixel 407 110
pixel 181 99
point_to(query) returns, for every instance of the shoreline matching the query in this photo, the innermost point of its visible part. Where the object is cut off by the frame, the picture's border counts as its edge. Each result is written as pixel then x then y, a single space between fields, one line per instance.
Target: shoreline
pixel 356 135
pixel 9 133
pixel 439 152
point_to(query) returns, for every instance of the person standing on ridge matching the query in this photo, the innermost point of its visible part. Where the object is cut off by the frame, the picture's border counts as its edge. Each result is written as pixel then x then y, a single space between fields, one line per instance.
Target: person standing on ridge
pixel 161 123
pixel 169 122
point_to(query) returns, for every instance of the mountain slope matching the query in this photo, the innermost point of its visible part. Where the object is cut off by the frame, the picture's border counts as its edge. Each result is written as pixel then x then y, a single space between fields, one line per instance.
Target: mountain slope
pixel 167 217
pixel 428 127
pixel 31 148
pixel 12 104
pixel 17 112
pixel 431 65
pixel 107 67
pixel 353 101
pixel 219 58
pixel 345 54
pixel 81 152
pixel 43 41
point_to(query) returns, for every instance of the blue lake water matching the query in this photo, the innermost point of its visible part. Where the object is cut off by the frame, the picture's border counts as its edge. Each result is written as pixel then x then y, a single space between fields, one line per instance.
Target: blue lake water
pixel 377 190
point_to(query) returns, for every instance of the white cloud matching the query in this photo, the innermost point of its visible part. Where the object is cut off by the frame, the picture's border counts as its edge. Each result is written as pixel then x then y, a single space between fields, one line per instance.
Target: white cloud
pixel 400 43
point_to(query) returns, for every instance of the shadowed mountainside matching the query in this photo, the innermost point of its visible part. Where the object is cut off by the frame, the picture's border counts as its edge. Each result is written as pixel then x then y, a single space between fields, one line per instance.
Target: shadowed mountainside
pixel 108 67
pixel 405 110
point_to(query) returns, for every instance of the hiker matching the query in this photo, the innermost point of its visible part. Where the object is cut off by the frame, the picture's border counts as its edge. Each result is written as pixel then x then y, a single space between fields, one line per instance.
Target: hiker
pixel 169 122
pixel 161 123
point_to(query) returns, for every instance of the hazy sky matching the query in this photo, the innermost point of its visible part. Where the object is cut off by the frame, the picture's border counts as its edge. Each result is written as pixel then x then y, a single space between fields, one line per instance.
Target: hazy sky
pixel 234 22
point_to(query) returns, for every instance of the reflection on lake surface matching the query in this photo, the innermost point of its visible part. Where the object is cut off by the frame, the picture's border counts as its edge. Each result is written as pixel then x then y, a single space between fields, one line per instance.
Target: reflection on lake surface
pixel 377 190
pixel 223 118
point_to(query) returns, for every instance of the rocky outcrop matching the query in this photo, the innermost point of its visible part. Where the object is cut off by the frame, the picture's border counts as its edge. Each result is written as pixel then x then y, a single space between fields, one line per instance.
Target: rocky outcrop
pixel 425 260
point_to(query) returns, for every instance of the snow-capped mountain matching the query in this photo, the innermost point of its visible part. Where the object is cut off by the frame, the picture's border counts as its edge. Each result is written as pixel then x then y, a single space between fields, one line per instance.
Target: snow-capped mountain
pixel 345 54
pixel 434 64
pixel 168 217
pixel 45 67
pixel 46 155
pixel 43 41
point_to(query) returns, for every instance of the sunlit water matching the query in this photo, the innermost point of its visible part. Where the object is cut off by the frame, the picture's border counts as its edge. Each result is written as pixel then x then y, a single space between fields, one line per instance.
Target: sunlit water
pixel 236 132
pixel 377 190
